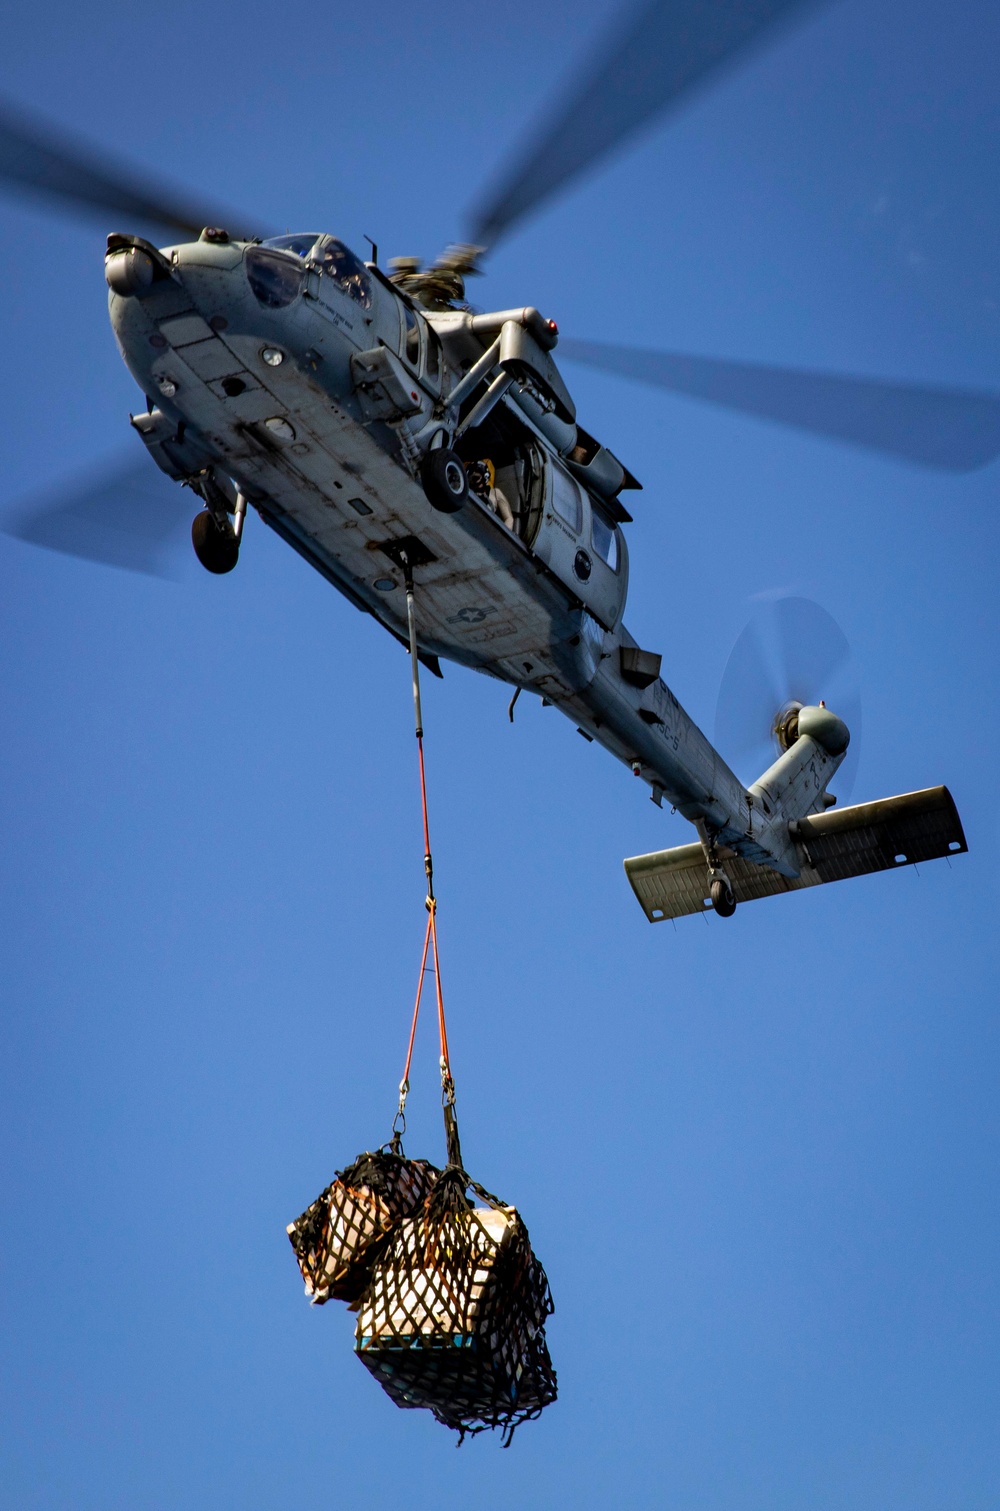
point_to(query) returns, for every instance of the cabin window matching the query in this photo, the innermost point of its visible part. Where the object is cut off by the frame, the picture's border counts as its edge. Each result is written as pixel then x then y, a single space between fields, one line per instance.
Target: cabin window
pixel 412 337
pixel 347 271
pixel 433 358
pixel 605 540
pixel 566 501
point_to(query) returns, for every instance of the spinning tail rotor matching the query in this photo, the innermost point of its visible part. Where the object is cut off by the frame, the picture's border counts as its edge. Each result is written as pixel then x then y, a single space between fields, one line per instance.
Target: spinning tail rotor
pixel 791 654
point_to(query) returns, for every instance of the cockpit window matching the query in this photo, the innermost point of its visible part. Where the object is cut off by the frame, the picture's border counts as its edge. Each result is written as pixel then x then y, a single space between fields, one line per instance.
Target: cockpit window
pixel 347 271
pixel 333 258
pixel 276 279
pixel 605 540
pixel 300 245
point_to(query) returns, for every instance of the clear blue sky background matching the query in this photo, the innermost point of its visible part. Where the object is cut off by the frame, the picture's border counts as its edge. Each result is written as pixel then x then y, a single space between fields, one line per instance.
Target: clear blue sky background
pixel 758 1158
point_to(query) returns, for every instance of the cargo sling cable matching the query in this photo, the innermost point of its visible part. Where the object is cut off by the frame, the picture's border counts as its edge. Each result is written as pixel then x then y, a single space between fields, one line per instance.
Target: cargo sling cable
pixel 430 934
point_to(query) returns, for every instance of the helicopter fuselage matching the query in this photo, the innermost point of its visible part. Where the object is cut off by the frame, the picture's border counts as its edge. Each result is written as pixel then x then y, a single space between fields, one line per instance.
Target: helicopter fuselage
pixel 301 380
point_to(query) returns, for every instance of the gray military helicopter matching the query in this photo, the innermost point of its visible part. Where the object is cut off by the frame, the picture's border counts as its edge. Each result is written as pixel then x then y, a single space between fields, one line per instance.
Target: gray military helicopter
pixel 405 445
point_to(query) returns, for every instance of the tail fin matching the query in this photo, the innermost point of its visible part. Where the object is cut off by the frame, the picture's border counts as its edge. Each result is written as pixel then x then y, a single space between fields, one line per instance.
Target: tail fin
pixel 831 846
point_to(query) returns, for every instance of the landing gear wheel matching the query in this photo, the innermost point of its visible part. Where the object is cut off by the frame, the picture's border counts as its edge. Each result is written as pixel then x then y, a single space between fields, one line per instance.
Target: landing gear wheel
pixel 723 900
pixel 444 480
pixel 216 548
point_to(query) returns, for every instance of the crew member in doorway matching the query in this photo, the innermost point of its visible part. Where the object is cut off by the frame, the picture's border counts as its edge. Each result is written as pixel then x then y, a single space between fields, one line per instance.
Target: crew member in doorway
pixel 482 481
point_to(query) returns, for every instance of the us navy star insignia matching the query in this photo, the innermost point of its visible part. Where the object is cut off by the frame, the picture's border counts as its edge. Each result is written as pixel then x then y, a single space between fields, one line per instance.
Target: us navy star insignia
pixel 471 615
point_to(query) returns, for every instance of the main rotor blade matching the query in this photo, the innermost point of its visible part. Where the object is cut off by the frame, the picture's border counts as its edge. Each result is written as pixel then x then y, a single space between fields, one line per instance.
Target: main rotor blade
pixel 952 429
pixel 663 51
pixel 35 157
pixel 127 515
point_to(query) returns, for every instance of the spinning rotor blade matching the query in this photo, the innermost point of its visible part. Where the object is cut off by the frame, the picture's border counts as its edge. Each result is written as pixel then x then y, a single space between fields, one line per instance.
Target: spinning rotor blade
pixel 811 648
pixel 129 515
pixel 665 49
pixel 36 158
pixel 791 651
pixel 951 429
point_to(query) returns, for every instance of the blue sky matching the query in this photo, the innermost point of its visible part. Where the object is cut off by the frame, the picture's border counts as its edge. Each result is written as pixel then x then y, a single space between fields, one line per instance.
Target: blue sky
pixel 757 1157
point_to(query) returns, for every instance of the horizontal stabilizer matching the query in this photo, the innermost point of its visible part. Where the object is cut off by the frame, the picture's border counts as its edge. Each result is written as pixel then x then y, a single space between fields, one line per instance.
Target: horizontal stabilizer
pixel 831 846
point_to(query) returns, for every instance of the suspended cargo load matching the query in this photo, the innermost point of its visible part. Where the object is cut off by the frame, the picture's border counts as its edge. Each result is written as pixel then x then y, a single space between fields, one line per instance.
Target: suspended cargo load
pixel 336 1238
pixel 454 1317
pixel 452 1302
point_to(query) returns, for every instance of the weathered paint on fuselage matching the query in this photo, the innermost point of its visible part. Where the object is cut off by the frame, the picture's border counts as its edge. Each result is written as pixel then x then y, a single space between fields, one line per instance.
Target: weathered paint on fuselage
pixel 338 488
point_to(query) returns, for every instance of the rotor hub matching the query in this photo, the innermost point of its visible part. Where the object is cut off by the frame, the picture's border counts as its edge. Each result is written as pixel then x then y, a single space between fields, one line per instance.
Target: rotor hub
pixel 786 724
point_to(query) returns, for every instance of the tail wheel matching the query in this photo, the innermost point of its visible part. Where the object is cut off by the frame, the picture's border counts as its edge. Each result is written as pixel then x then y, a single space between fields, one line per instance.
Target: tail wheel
pixel 215 546
pixel 444 480
pixel 723 900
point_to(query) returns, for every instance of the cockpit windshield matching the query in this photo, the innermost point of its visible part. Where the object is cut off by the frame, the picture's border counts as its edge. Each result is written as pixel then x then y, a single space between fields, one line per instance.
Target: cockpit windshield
pixel 300 245
pixel 331 257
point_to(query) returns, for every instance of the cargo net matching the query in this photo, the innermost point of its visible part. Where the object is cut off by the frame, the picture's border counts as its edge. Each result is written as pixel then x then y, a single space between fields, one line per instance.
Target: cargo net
pixel 454 1316
pixel 337 1238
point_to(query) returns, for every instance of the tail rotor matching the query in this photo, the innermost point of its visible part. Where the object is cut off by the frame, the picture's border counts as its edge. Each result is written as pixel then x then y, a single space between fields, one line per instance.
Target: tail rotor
pixel 792 653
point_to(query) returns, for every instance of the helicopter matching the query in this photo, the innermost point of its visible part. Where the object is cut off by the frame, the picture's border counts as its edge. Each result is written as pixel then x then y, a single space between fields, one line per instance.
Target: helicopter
pixel 411 448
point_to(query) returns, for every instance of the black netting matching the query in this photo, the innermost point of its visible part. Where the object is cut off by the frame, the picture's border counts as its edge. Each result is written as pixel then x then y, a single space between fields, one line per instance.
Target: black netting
pixel 337 1238
pixel 454 1317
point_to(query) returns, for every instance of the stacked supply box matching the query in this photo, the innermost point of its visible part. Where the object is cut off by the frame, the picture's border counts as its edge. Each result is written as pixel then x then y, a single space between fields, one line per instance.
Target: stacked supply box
pixel 453 1319
pixel 336 1238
